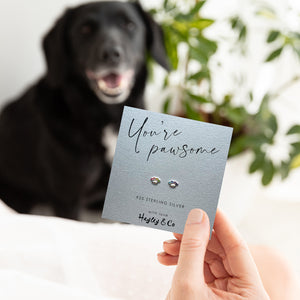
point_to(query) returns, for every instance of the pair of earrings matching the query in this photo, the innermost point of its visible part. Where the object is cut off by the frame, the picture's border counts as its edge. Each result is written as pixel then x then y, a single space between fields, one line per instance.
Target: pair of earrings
pixel 172 183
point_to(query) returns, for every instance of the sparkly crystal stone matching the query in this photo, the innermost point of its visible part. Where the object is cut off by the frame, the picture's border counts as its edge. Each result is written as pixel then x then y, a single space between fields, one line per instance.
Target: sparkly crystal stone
pixel 173 184
pixel 155 180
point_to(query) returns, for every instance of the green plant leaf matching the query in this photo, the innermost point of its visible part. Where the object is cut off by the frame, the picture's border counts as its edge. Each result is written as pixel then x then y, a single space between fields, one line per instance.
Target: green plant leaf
pixel 268 172
pixel 267 12
pixel 296 148
pixel 198 98
pixel 273 35
pixel 203 50
pixel 265 119
pixel 238 25
pixel 152 11
pixel 166 82
pixel 166 105
pixel 168 6
pixel 243 33
pixel 274 54
pixel 193 14
pixel 177 32
pixel 295 163
pixel 203 74
pixel 273 123
pixel 294 130
pixel 200 24
pixel 181 30
pixel 295 35
pixel 234 22
pixel 295 156
pixel 208 46
pixel 297 51
pixel 251 96
pixel 238 145
pixel 171 42
pixel 257 163
pixel 257 140
pixel 243 142
pixel 284 169
pixel 199 55
pixel 236 115
pixel 227 99
pixel 197 7
pixel 191 113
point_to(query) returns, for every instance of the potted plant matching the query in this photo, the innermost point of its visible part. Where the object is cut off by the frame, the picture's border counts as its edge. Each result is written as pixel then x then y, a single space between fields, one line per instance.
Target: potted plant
pixel 188 90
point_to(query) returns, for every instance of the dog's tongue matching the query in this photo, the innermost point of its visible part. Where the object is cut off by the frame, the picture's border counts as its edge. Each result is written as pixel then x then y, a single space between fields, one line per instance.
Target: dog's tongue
pixel 112 80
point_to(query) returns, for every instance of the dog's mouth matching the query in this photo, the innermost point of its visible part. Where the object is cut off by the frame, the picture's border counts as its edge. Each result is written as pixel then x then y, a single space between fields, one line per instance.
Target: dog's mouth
pixel 112 87
pixel 113 84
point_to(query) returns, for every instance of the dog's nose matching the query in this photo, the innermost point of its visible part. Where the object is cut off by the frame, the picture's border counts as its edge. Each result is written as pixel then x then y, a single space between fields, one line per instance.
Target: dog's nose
pixel 111 54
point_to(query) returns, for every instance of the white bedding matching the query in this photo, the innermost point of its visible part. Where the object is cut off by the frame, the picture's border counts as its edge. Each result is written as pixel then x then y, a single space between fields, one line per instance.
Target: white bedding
pixel 51 258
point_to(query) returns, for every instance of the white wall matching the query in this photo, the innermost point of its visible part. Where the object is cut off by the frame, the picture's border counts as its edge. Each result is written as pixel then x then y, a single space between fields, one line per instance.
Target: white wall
pixel 22 26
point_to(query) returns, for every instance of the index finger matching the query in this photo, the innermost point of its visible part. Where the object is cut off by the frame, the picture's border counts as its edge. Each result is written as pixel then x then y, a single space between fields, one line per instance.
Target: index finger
pixel 178 236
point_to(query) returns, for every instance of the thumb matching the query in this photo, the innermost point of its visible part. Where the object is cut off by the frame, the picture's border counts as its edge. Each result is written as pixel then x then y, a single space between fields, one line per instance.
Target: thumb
pixel 193 246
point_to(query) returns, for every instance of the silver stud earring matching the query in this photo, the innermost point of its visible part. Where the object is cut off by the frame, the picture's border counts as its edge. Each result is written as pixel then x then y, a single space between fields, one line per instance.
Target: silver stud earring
pixel 173 183
pixel 155 180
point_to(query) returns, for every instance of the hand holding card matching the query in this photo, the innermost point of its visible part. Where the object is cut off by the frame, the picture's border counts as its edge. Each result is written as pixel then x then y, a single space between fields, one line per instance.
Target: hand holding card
pixel 164 166
pixel 219 269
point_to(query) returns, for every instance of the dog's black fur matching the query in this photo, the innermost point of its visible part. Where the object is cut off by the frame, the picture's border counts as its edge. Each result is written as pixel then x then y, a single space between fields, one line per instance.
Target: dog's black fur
pixel 50 138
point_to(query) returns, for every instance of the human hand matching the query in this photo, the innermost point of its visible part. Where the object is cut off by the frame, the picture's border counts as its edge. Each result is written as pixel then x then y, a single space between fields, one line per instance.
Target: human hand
pixel 221 268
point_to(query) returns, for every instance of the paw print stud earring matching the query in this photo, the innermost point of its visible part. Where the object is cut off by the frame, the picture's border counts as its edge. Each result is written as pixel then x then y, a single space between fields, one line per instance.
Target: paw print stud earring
pixel 173 184
pixel 155 180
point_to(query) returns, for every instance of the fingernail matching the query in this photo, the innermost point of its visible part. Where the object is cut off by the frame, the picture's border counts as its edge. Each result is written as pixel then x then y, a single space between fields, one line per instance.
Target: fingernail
pixel 195 216
pixel 162 254
pixel 170 241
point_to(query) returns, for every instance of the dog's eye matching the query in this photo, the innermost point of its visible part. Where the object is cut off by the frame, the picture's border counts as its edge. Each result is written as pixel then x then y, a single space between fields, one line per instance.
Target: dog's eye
pixel 87 28
pixel 129 25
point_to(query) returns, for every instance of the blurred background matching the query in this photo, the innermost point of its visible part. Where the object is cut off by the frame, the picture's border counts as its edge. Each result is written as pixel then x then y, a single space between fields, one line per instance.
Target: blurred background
pixel 237 63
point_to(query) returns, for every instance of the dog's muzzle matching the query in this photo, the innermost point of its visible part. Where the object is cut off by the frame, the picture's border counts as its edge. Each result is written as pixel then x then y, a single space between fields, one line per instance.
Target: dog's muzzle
pixel 111 87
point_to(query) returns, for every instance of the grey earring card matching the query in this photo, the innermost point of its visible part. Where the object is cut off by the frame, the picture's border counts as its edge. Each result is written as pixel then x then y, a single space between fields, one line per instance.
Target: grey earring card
pixel 150 144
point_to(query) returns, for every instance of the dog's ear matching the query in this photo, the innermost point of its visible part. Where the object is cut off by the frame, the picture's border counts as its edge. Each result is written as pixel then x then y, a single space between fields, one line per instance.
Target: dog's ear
pixel 155 38
pixel 56 52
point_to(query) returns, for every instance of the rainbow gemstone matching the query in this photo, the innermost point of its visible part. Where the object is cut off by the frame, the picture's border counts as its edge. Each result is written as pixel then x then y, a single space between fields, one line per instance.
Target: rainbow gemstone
pixel 173 184
pixel 155 180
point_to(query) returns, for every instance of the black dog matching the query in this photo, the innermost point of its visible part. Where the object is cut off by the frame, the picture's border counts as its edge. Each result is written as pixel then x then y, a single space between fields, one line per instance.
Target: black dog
pixel 51 148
